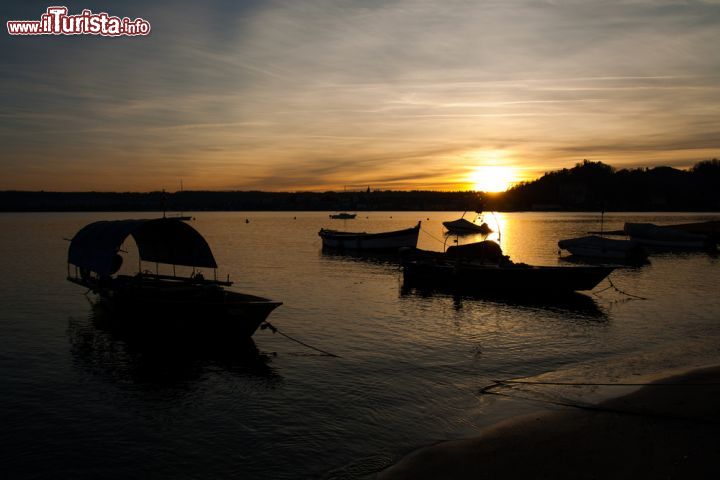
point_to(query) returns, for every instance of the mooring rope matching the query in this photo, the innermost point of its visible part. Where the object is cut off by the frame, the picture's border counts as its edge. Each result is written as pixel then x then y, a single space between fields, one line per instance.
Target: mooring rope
pixel 592 384
pixel 623 292
pixel 433 237
pixel 274 329
pixel 487 390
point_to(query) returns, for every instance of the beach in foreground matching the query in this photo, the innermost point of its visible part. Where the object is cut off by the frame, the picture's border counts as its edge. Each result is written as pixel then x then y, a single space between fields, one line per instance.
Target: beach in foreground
pixel 668 429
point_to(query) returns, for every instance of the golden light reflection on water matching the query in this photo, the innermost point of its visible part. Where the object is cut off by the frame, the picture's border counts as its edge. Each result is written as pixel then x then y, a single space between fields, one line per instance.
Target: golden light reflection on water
pixel 410 360
pixel 498 222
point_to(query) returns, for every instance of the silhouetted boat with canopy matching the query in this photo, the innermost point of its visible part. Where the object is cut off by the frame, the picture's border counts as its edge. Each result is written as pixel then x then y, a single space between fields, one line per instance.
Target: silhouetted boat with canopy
pixel 192 302
pixel 482 267
pixel 374 242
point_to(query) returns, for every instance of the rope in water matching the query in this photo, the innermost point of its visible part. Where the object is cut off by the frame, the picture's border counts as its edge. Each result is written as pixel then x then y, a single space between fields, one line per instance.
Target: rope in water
pixel 591 384
pixel 487 390
pixel 433 237
pixel 274 329
pixel 598 408
pixel 623 292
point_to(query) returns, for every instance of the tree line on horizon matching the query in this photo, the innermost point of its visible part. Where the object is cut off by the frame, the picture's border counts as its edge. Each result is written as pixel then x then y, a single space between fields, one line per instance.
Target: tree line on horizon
pixel 598 186
pixel 588 185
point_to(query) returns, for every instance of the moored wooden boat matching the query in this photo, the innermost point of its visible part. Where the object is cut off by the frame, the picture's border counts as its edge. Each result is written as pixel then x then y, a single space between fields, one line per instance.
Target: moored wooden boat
pixel 482 267
pixel 710 228
pixel 377 242
pixel 596 247
pixel 668 237
pixel 192 302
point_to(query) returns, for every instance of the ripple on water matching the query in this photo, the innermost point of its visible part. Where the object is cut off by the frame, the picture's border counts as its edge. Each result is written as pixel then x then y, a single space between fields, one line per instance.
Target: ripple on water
pixel 81 400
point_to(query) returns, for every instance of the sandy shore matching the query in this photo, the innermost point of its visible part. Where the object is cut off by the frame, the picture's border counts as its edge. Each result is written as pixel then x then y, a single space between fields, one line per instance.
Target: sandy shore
pixel 658 431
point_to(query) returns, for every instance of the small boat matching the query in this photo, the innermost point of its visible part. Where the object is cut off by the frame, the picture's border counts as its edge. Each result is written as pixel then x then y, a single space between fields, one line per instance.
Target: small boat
pixel 175 302
pixel 184 218
pixel 481 267
pixel 343 216
pixel 668 237
pixel 710 228
pixel 376 242
pixel 596 247
pixel 462 226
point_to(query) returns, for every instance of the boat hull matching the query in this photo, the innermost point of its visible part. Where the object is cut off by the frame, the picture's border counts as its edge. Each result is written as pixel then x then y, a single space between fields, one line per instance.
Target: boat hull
pixel 512 278
pixel 595 247
pixel 375 242
pixel 462 226
pixel 203 309
pixel 665 237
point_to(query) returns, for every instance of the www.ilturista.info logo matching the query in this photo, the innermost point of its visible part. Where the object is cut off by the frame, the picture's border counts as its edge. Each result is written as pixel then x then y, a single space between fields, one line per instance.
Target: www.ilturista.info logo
pixel 56 21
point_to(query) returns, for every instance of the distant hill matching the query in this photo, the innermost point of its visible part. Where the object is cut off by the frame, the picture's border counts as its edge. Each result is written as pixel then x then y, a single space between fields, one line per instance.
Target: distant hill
pixel 595 186
pixel 586 186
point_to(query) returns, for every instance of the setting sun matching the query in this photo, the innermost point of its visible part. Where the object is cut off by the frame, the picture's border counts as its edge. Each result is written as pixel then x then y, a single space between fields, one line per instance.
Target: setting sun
pixel 492 178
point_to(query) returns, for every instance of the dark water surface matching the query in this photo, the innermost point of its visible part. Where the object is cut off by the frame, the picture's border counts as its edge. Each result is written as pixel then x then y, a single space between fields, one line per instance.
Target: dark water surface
pixel 82 399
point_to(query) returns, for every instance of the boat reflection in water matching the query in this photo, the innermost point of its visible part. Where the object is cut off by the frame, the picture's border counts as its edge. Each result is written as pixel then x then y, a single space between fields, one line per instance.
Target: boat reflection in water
pixel 107 343
pixel 572 303
pixel 386 259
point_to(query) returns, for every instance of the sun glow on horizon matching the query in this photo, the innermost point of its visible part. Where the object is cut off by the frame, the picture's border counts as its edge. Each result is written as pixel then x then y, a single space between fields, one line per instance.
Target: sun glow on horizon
pixel 492 178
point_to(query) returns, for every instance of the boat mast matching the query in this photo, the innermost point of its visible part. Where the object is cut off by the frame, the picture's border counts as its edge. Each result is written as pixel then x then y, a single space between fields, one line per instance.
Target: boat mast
pixel 182 213
pixel 498 226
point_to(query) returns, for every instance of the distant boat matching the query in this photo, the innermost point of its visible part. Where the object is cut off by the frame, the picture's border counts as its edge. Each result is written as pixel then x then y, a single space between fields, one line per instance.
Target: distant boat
pixel 168 301
pixel 463 226
pixel 481 267
pixel 176 216
pixel 343 216
pixel 184 218
pixel 596 247
pixel 710 228
pixel 668 237
pixel 376 242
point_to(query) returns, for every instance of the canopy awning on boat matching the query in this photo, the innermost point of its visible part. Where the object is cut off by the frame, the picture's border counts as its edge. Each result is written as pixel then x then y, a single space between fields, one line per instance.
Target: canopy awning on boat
pixel 161 240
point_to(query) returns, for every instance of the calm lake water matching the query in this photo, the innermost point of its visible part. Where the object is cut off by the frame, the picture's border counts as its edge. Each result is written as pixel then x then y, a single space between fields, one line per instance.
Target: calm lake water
pixel 80 400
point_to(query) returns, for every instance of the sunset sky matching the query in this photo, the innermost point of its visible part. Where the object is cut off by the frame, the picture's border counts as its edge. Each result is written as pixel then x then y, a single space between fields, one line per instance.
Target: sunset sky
pixel 322 94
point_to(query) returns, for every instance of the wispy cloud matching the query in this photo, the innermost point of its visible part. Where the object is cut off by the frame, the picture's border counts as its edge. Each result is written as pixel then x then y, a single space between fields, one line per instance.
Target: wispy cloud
pixel 321 93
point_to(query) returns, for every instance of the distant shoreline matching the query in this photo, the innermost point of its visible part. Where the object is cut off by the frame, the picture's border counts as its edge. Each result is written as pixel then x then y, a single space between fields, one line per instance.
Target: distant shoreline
pixel 171 213
pixel 588 186
pixel 242 201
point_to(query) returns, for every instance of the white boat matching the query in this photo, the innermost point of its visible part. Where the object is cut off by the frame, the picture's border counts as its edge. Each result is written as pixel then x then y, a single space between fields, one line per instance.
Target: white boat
pixel 667 237
pixel 376 242
pixel 594 246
